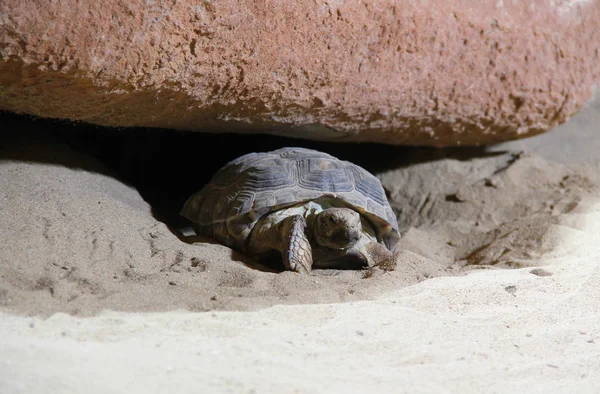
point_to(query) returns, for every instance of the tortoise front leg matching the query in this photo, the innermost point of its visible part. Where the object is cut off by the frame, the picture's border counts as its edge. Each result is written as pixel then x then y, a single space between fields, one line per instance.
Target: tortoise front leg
pixel 373 252
pixel 295 249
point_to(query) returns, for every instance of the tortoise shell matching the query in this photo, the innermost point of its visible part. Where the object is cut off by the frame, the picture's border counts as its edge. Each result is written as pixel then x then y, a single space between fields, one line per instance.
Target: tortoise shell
pixel 255 184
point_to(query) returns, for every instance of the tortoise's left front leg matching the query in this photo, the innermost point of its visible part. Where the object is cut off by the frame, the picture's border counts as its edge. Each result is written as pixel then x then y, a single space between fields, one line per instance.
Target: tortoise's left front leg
pixel 288 237
pixel 295 246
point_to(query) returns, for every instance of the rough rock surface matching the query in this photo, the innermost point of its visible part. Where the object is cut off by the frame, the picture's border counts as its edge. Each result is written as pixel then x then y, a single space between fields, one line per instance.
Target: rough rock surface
pixel 436 73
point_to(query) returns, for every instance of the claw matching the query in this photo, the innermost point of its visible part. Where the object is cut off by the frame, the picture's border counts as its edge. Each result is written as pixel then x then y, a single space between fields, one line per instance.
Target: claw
pixel 303 270
pixel 388 264
pixel 299 268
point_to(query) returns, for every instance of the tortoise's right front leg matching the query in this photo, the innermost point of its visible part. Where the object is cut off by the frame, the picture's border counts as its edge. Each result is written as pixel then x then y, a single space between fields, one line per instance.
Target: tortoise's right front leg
pixel 295 248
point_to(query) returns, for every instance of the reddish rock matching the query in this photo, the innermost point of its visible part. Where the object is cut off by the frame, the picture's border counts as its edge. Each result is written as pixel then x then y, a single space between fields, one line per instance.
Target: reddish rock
pixel 433 73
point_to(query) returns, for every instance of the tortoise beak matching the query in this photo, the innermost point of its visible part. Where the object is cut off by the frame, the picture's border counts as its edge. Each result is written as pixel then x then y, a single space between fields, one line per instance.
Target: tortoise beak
pixel 345 239
pixel 352 236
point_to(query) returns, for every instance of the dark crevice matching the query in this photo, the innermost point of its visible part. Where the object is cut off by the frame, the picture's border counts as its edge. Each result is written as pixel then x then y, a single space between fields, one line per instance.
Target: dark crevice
pixel 167 166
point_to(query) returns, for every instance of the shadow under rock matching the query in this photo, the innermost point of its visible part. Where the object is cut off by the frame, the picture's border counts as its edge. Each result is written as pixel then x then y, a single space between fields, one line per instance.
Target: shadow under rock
pixel 30 139
pixel 167 166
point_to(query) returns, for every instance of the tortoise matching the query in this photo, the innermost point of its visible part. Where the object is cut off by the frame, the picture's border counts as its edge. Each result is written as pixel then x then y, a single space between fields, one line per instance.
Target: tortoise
pixel 305 206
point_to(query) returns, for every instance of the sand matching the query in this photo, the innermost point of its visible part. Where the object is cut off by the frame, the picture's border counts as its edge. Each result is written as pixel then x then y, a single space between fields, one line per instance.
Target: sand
pixel 496 289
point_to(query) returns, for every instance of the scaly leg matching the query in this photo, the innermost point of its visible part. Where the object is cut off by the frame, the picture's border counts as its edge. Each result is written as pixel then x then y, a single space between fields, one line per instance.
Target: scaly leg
pixel 296 251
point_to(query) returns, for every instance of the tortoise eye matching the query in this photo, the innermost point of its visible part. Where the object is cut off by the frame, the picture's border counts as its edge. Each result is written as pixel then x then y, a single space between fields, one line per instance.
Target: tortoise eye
pixel 332 220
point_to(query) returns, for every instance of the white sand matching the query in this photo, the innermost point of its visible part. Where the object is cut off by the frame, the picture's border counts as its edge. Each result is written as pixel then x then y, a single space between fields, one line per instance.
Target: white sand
pixel 459 334
pixel 530 329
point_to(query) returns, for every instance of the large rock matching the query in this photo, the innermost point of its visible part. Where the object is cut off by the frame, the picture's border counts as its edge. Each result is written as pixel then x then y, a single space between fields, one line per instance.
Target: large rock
pixel 436 73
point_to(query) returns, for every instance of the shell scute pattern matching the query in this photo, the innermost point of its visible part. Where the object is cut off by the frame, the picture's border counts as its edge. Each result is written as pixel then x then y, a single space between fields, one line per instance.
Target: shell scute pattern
pixel 255 184
pixel 324 175
pixel 270 174
pixel 367 185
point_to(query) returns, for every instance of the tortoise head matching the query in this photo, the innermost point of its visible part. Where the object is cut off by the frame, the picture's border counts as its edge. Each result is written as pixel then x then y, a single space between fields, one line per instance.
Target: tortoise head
pixel 337 228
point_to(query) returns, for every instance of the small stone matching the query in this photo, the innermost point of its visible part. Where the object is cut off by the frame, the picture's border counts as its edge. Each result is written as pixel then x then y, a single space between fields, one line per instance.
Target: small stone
pixel 491 182
pixel 540 272
pixel 511 290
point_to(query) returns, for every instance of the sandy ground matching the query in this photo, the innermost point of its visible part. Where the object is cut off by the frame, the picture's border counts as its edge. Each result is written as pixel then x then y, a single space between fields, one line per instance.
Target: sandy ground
pixel 497 289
